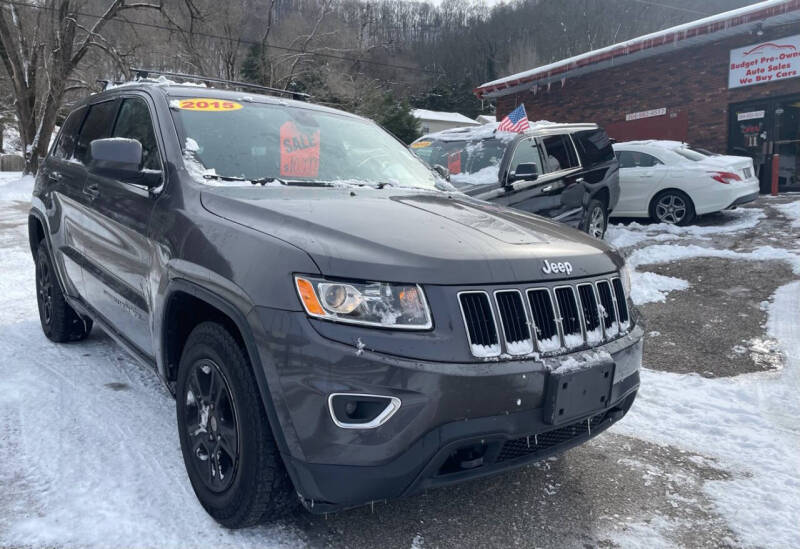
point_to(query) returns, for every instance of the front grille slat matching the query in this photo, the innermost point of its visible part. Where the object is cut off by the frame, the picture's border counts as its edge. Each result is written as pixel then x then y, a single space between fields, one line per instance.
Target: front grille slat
pixel 570 316
pixel 514 321
pixel 480 324
pixel 591 312
pixel 544 319
pixel 609 311
pixel 622 304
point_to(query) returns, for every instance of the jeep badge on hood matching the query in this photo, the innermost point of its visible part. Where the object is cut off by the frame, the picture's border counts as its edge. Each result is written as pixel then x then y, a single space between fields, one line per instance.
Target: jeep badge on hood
pixel 550 267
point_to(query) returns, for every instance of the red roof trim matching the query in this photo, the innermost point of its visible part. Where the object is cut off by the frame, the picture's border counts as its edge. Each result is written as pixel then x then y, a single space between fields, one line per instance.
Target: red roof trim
pixel 673 37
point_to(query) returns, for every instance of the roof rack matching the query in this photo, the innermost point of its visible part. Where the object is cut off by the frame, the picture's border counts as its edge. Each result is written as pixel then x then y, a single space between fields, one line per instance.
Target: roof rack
pixel 141 74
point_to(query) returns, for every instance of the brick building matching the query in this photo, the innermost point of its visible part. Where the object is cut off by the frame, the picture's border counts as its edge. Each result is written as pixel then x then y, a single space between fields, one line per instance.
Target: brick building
pixel 726 83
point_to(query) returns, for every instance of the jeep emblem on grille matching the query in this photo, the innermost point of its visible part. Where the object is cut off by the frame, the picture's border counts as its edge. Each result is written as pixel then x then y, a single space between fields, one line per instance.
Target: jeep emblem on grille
pixel 551 267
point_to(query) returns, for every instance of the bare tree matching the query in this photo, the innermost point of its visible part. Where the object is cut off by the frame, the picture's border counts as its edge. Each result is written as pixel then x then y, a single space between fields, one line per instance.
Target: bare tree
pixel 41 46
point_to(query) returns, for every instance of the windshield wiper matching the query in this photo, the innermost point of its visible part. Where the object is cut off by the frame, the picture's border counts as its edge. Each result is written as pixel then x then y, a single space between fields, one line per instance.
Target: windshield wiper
pixel 292 182
pixel 266 180
pixel 222 177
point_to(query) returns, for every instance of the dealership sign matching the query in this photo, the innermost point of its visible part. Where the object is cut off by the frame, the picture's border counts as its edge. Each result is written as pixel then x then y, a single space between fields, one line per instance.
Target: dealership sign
pixel 645 114
pixel 766 62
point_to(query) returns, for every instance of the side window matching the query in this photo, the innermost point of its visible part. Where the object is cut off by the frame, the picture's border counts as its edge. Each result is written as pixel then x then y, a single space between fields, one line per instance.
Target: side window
pixel 97 126
pixel 526 153
pixel 133 122
pixel 594 146
pixel 69 134
pixel 560 153
pixel 636 159
pixel 625 159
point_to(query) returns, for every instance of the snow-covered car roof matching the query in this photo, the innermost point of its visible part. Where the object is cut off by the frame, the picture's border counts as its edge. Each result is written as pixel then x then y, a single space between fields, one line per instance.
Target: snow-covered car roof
pixel 441 116
pixel 662 143
pixel 486 131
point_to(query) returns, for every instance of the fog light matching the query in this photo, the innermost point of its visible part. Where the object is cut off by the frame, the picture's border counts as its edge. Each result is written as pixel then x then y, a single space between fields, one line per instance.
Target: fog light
pixel 358 411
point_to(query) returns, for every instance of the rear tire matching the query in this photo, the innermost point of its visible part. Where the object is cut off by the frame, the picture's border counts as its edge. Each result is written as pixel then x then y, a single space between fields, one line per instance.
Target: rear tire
pixel 673 207
pixel 60 322
pixel 595 219
pixel 228 448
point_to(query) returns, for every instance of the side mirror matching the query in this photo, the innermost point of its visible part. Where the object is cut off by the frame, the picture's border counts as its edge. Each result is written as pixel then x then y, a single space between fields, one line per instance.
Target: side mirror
pixel 525 172
pixel 121 159
pixel 442 171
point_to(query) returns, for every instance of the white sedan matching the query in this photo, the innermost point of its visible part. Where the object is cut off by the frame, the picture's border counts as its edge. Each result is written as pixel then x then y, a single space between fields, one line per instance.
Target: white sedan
pixel 670 182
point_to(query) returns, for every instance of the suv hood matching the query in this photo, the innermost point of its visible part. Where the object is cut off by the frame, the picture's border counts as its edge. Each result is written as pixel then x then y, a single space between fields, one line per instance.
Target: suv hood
pixel 406 235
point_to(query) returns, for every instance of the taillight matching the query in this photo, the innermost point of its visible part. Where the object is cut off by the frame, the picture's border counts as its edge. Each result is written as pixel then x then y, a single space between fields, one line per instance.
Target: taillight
pixel 724 177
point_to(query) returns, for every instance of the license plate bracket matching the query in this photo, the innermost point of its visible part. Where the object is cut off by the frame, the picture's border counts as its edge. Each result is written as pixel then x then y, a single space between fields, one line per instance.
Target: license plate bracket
pixel 575 392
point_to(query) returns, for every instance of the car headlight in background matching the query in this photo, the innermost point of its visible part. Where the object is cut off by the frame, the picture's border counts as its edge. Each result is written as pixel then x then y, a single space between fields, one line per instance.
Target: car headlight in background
pixel 401 306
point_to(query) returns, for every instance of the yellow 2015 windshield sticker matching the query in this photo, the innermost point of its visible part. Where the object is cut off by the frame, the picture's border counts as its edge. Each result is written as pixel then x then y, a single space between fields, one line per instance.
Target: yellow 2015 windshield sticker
pixel 208 105
pixel 421 144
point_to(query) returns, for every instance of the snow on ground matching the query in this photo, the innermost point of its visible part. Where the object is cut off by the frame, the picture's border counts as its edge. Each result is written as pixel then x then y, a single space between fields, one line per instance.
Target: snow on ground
pixel 790 210
pixel 747 424
pixel 624 236
pixel 89 452
pixel 651 287
pixel 11 140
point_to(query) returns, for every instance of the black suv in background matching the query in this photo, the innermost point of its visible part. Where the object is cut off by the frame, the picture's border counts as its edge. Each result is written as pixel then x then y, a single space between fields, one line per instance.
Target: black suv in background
pixel 338 325
pixel 567 172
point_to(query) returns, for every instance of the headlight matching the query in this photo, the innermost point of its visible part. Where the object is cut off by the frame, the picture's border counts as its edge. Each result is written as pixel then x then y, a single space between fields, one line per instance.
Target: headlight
pixel 400 306
pixel 625 275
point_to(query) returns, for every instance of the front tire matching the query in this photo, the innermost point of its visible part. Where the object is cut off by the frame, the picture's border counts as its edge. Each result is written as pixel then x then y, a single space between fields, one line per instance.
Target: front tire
pixel 673 207
pixel 60 322
pixel 230 454
pixel 595 220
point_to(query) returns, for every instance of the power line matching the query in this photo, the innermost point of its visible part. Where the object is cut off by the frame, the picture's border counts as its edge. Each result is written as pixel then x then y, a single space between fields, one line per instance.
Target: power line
pixel 229 39
pixel 678 8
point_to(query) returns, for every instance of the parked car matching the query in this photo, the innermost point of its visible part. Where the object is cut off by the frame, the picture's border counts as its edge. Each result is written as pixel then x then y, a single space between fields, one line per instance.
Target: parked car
pixel 671 182
pixel 567 172
pixel 337 324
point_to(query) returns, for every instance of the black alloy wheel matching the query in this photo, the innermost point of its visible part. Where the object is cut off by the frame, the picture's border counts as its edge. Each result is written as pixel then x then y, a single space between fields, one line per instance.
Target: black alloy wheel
pixel 60 322
pixel 44 291
pixel 211 426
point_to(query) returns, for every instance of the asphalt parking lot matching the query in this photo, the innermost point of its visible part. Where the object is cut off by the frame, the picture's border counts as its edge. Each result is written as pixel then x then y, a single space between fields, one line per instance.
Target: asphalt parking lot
pixel 707 457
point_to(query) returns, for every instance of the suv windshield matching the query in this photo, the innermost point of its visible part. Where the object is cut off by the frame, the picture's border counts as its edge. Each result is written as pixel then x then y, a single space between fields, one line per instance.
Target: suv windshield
pixel 256 141
pixel 474 162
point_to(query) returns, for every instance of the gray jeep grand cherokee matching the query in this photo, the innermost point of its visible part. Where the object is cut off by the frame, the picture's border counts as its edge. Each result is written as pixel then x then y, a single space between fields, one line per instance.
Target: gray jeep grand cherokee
pixel 336 324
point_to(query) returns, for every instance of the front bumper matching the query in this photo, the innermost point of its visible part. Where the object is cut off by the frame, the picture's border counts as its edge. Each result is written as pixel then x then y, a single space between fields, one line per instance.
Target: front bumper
pixel 446 407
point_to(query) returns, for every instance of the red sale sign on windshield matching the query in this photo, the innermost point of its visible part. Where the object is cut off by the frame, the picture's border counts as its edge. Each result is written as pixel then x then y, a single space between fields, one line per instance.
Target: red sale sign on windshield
pixel 299 151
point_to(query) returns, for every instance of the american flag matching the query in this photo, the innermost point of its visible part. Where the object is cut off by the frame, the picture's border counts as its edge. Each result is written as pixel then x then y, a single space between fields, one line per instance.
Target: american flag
pixel 517 121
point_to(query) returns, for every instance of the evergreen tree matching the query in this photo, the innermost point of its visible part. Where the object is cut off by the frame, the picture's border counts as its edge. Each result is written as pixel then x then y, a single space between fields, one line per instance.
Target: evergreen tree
pixel 397 118
pixel 252 68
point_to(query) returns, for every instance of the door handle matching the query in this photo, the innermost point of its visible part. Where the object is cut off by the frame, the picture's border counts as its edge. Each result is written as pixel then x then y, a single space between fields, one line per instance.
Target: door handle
pixel 92 191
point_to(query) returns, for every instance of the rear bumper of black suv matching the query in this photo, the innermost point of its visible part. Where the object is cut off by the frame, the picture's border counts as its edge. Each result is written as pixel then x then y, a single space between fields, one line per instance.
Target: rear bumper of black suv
pixel 455 422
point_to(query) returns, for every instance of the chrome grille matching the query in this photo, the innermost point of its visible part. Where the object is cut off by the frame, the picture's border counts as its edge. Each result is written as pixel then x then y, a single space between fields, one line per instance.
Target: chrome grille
pixel 619 298
pixel 570 316
pixel 609 310
pixel 591 312
pixel 550 320
pixel 514 321
pixel 544 319
pixel 480 324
